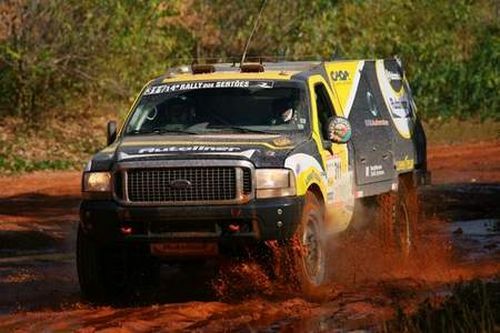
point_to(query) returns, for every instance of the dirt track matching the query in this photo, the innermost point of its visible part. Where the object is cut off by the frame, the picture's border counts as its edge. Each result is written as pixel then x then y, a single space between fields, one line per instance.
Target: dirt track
pixel 38 286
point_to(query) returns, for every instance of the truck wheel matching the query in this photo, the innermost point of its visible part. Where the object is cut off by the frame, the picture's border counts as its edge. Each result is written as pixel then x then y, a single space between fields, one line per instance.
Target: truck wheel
pixel 304 257
pixel 106 273
pixel 397 217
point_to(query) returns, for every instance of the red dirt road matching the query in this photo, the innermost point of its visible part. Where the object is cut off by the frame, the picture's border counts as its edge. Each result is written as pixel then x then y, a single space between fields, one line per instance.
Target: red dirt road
pixel 39 290
pixel 471 162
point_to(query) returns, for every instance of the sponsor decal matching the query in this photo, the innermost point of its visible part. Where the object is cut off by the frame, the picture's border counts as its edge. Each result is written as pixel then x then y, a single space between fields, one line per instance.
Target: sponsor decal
pixel 260 84
pixel 400 107
pixel 339 130
pixel 374 171
pixel 282 142
pixel 397 98
pixel 333 173
pixel 176 149
pixel 333 169
pixel 392 76
pixel 340 76
pixel 347 93
pixel 405 164
pixel 174 87
pixel 376 122
pixel 313 176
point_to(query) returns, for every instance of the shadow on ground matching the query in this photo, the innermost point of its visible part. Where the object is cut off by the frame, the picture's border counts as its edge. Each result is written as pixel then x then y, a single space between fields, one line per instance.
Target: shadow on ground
pixel 39 206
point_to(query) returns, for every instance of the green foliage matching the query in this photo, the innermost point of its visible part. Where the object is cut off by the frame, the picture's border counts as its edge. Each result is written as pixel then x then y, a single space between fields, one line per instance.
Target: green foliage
pixel 450 48
pixel 60 50
pixel 16 164
pixel 55 54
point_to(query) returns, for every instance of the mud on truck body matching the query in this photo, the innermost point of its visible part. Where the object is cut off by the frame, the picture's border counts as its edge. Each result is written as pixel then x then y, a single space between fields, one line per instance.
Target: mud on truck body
pixel 215 160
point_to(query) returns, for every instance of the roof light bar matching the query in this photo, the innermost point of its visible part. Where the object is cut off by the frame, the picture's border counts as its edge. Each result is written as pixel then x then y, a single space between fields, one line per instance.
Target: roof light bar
pixel 202 68
pixel 251 68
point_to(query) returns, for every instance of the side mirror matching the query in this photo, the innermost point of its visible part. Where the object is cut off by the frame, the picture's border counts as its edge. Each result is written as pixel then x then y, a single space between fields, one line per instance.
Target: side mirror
pixel 111 132
pixel 339 130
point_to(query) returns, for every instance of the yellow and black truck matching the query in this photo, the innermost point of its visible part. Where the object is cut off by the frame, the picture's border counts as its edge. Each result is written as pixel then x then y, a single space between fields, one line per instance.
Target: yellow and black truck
pixel 215 159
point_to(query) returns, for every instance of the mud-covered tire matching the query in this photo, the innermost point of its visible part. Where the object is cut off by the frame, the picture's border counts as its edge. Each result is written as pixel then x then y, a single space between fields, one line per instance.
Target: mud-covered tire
pixel 397 217
pixel 304 258
pixel 109 274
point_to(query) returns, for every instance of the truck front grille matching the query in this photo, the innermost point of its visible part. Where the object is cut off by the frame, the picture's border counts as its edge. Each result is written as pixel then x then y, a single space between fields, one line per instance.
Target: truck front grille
pixel 187 184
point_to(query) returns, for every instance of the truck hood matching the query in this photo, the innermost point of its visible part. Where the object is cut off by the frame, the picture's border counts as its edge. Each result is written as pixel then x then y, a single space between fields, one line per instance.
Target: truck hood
pixel 263 150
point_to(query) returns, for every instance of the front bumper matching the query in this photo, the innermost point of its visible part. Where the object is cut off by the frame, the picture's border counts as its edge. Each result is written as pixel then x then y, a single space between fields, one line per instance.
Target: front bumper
pixel 263 219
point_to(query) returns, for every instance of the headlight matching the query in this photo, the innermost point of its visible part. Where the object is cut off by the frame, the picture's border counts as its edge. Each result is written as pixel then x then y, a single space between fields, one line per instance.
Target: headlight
pixel 274 183
pixel 96 182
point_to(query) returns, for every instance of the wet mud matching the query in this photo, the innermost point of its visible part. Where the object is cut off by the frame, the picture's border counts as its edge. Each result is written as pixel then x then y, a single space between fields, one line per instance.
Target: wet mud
pixel 458 242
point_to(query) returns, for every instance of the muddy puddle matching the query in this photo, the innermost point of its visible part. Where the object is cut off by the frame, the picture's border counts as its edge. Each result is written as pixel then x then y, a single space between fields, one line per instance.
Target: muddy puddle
pixel 458 247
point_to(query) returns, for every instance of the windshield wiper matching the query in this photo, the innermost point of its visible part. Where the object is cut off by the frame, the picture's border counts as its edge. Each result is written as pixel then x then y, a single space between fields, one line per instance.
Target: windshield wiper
pixel 247 130
pixel 159 131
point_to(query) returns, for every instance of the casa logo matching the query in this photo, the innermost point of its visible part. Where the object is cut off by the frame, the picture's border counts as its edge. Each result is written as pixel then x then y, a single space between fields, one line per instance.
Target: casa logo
pixel 340 76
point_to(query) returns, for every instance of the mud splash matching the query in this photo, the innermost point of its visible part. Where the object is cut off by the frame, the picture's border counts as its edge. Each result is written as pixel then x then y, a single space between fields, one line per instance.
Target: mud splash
pixel 240 280
pixel 459 241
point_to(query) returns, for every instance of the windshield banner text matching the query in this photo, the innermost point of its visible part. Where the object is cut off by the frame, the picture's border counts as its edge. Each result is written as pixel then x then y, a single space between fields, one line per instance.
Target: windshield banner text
pixel 173 87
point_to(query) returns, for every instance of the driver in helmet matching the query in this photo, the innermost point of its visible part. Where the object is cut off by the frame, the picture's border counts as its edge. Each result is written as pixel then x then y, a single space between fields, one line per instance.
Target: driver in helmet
pixel 283 112
pixel 180 111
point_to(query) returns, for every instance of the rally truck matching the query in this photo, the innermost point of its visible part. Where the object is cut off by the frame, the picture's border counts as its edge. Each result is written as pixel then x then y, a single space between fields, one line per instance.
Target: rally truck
pixel 216 158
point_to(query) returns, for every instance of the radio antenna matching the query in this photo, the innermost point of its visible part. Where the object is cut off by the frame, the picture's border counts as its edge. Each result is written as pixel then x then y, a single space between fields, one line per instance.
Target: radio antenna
pixel 262 5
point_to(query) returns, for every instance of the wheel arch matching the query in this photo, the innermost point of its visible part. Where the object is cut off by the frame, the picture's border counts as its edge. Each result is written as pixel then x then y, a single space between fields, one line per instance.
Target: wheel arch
pixel 316 190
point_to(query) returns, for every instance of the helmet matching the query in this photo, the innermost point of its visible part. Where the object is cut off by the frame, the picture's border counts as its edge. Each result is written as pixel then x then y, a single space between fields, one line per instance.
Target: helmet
pixel 180 110
pixel 283 112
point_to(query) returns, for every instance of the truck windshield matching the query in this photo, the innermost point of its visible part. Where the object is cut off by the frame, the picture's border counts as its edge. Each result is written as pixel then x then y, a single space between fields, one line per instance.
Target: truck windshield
pixel 220 107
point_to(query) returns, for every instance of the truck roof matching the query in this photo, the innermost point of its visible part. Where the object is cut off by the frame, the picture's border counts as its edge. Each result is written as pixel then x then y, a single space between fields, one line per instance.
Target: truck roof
pixel 283 70
pixel 273 70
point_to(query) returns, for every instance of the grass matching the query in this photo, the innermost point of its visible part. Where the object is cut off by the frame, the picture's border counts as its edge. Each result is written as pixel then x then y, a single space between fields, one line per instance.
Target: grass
pixel 472 307
pixel 63 141
pixel 454 131
pixel 16 164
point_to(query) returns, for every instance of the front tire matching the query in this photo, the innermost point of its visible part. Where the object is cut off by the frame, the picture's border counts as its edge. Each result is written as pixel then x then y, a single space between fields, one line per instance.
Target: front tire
pixel 304 257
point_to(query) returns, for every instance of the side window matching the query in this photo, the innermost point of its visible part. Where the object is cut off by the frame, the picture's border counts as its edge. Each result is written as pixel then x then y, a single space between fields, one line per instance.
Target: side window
pixel 324 106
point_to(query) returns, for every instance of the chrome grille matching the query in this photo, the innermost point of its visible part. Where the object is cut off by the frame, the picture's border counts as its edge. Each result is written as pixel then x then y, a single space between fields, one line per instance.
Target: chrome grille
pixel 247 181
pixel 202 184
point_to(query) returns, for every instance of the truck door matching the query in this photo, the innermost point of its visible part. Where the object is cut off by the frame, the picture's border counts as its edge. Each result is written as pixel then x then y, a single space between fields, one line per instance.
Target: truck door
pixel 358 97
pixel 335 158
pixel 371 139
